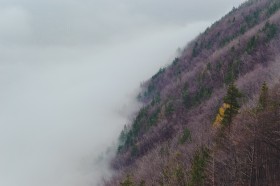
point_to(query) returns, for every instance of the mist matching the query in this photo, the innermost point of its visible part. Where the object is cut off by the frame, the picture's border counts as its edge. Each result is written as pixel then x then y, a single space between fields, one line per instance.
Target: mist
pixel 70 72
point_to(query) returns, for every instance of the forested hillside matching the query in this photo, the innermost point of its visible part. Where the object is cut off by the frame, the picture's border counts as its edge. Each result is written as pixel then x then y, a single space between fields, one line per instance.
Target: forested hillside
pixel 212 117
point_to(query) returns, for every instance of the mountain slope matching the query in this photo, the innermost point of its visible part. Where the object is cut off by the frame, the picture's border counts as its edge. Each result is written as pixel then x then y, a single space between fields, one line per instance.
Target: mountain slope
pixel 176 138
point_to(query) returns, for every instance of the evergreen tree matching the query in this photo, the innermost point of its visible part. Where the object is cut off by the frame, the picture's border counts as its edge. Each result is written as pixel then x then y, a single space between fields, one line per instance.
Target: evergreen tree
pixel 263 99
pixel 231 99
pixel 199 163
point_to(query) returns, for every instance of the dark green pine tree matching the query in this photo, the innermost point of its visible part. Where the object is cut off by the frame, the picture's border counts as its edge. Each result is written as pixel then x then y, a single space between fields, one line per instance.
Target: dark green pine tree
pixel 263 99
pixel 231 99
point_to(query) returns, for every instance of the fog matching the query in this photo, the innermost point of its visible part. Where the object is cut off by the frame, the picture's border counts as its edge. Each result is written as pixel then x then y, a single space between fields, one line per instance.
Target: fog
pixel 69 74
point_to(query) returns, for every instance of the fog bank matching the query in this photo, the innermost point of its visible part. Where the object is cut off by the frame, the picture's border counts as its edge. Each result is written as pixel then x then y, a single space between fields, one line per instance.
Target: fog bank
pixel 69 72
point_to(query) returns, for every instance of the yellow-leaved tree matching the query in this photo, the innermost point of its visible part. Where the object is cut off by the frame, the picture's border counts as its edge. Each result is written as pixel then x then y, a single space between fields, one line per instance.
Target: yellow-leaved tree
pixel 221 114
pixel 229 108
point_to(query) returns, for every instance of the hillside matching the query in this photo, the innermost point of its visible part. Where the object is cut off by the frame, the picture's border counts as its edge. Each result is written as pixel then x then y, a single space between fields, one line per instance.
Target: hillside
pixel 212 117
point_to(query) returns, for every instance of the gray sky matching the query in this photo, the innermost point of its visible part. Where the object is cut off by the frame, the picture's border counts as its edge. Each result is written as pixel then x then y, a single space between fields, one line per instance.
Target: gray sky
pixel 69 70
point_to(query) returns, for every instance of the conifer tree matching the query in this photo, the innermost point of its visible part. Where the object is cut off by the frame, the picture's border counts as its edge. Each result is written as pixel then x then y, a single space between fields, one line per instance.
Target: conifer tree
pixel 263 99
pixel 231 99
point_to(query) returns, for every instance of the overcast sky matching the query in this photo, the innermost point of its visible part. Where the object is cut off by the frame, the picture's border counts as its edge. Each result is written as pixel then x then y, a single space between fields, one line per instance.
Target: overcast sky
pixel 69 71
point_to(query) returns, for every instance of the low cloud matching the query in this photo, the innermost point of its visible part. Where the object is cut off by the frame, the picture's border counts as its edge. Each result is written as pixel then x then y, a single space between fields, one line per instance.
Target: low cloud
pixel 14 25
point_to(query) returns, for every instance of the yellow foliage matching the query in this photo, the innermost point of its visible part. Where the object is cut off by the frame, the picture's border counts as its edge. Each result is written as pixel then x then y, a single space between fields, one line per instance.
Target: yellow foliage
pixel 221 114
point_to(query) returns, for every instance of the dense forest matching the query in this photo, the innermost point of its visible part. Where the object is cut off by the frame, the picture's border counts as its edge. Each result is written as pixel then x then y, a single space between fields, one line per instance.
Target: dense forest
pixel 212 117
